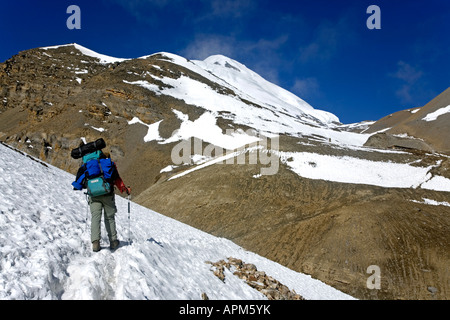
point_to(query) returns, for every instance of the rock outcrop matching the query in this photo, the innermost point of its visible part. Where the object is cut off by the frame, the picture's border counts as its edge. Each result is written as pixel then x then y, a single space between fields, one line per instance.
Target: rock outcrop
pixel 259 280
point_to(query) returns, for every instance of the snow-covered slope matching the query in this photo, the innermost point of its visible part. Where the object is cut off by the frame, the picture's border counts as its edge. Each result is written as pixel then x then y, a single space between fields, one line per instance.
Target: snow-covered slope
pixel 256 103
pixel 262 91
pixel 46 253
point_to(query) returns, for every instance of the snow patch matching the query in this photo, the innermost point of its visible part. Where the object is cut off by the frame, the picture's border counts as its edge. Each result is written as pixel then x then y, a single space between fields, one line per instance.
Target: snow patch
pixel 153 129
pixel 98 129
pixel 104 59
pixel 434 115
pixel 360 171
pixel 144 84
pixel 432 202
pixel 437 183
pixel 168 168
pixel 206 129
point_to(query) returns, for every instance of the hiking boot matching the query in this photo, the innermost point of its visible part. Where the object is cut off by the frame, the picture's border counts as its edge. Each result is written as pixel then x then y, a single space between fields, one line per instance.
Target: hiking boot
pixel 114 244
pixel 96 246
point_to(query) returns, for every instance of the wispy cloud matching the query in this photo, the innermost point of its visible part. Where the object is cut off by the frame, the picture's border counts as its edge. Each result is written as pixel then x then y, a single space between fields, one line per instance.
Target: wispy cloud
pixel 145 11
pixel 231 8
pixel 306 88
pixel 262 55
pixel 328 37
pixel 407 73
pixel 204 46
pixel 198 10
pixel 409 77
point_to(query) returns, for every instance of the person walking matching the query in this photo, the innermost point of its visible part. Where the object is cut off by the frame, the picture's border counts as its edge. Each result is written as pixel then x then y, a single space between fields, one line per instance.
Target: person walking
pixel 103 203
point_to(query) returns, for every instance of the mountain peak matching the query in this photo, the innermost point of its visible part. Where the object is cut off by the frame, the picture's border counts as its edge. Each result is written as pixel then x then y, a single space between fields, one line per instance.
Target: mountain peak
pixel 263 92
pixel 224 61
pixel 245 82
pixel 104 59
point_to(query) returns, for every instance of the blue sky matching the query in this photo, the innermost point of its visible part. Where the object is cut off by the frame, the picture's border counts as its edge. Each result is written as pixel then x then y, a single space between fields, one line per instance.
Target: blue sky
pixel 320 50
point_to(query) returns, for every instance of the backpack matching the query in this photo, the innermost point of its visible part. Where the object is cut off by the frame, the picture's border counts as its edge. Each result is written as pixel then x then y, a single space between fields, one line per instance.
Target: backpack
pixel 98 174
pixel 88 148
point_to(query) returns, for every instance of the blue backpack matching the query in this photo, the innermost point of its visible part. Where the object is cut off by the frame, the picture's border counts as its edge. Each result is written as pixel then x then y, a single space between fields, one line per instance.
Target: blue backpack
pixel 98 175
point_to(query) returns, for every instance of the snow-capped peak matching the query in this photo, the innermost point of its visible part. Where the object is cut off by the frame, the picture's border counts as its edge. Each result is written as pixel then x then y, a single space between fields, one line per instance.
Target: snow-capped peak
pixel 262 91
pixel 88 52
pixel 224 61
pixel 251 86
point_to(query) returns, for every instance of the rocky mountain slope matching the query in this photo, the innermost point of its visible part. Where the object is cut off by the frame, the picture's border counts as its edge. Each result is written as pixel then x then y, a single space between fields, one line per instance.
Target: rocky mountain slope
pixel 418 128
pixel 338 198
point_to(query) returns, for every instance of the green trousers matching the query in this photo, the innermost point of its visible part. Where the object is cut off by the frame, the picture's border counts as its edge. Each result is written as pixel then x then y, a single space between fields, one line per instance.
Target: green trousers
pixel 107 204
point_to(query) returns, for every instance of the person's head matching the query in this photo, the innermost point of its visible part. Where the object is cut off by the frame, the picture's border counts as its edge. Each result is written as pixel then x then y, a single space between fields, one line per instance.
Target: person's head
pixel 106 154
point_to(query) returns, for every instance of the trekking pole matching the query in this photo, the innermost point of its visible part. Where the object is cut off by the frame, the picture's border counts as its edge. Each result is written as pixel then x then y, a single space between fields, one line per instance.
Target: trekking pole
pixel 87 212
pixel 129 220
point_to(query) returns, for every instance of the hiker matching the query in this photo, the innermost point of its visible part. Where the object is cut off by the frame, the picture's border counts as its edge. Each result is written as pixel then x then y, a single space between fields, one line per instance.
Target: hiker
pixel 103 202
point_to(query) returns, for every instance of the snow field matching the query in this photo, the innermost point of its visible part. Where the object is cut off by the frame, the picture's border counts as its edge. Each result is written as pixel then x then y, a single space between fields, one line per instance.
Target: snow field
pixel 46 252
pixel 361 171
